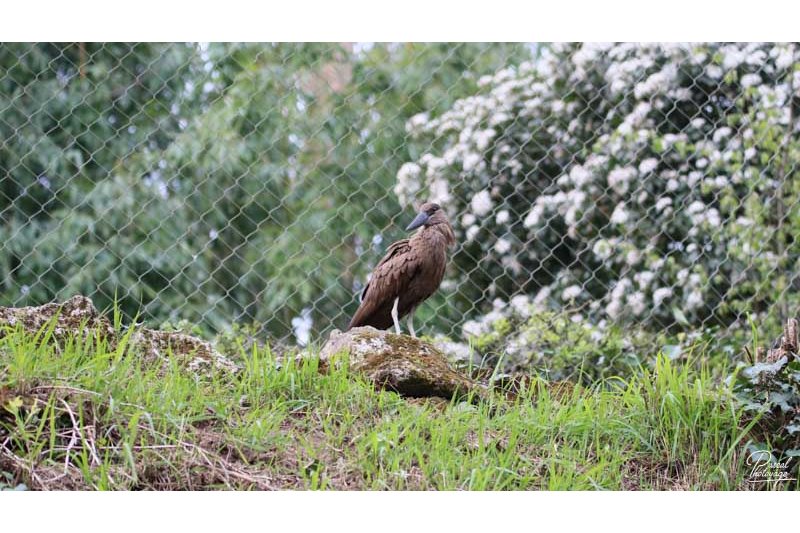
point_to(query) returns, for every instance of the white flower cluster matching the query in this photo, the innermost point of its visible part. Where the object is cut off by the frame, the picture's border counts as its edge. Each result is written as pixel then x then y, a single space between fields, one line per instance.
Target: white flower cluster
pixel 637 171
pixel 520 343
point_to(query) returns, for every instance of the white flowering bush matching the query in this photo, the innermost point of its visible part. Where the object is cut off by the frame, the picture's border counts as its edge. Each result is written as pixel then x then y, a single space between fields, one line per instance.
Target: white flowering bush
pixel 516 337
pixel 636 183
pixel 520 336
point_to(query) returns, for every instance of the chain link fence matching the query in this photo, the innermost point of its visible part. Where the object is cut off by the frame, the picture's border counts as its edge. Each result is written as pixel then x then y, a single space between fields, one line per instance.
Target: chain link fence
pixel 635 184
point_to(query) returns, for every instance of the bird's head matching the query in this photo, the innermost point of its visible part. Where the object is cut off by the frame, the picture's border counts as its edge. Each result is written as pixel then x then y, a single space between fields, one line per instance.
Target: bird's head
pixel 429 213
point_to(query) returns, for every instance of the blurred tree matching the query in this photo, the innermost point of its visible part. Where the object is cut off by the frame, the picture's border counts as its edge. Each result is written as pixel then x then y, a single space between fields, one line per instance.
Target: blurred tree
pixel 216 183
pixel 71 114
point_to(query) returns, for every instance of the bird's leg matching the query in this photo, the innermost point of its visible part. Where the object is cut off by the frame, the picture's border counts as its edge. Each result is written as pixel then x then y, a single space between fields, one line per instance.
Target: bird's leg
pixel 394 315
pixel 411 324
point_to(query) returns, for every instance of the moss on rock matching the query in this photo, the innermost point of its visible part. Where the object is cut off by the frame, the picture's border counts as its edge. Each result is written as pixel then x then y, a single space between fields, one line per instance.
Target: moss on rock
pixel 400 363
pixel 78 317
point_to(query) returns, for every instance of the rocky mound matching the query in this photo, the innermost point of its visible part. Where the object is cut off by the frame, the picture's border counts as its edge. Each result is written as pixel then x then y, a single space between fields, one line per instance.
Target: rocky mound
pixel 78 317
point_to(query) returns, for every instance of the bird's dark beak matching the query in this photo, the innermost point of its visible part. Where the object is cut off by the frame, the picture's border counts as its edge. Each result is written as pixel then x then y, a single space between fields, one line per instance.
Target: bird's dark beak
pixel 421 219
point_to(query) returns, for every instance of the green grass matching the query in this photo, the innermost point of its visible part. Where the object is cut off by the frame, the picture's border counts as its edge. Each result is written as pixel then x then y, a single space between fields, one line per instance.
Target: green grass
pixel 82 415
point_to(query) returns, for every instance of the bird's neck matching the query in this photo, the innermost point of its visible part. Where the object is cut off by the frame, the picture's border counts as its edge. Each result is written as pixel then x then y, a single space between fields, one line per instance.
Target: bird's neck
pixel 440 232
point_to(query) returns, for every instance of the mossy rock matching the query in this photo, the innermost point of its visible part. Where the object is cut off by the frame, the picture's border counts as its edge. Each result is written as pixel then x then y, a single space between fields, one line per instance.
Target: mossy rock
pixel 77 314
pixel 77 317
pixel 399 363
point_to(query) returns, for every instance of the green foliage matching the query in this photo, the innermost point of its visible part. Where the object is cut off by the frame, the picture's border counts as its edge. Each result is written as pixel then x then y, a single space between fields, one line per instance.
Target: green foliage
pixel 564 346
pixel 218 183
pixel 72 115
pixel 181 326
pixel 770 394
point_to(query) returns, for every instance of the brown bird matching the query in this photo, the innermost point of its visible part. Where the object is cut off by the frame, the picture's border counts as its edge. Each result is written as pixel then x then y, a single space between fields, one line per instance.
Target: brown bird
pixel 408 274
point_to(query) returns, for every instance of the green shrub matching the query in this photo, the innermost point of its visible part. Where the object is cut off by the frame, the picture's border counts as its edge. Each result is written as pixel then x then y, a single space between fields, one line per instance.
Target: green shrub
pixel 768 389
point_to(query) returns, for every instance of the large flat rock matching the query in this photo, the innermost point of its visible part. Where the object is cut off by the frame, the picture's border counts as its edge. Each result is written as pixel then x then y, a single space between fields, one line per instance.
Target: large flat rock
pixel 399 363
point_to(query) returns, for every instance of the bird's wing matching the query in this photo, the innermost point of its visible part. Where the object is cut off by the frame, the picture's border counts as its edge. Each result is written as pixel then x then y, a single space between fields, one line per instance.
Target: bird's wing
pixel 397 249
pixel 390 278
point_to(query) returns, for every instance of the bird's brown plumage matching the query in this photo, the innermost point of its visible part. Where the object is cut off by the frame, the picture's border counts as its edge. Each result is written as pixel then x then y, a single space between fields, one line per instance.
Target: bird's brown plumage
pixel 412 270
